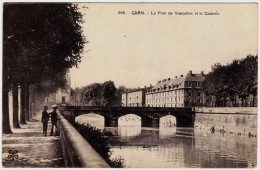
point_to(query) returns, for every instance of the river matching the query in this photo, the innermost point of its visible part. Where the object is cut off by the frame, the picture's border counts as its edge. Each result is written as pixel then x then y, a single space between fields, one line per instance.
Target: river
pixel 171 147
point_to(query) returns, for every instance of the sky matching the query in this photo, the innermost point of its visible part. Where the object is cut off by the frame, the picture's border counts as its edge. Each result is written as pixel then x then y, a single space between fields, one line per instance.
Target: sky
pixel 138 50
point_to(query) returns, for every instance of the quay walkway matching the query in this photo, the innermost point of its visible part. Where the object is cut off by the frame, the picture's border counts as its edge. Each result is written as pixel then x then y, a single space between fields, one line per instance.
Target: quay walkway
pixel 34 149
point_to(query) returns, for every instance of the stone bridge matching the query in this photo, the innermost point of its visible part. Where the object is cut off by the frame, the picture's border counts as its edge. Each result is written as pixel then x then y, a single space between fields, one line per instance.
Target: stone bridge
pixel 150 116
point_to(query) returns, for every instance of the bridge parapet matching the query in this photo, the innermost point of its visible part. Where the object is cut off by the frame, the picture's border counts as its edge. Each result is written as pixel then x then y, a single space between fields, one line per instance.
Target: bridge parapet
pixel 133 109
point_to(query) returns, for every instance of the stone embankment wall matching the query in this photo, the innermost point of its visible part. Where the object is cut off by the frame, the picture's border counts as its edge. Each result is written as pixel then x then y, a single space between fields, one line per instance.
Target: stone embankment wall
pixel 233 110
pixel 77 152
pixel 240 121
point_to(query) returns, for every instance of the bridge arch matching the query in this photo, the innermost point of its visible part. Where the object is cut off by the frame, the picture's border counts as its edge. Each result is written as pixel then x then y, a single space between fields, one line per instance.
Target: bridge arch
pixel 129 120
pixel 93 119
pixel 168 121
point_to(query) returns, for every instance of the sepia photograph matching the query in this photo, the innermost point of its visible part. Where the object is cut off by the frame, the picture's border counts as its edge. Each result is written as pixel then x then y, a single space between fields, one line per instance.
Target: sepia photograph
pixel 129 85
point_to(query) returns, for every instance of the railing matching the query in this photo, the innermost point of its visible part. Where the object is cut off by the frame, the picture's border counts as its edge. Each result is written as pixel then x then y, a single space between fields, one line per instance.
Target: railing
pixel 77 152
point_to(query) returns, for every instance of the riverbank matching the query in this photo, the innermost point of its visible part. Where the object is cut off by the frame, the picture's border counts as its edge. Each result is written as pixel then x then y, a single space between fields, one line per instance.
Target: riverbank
pixel 239 124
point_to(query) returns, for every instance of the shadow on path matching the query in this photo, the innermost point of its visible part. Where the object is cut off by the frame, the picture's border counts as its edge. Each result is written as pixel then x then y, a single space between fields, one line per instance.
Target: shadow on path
pixel 34 149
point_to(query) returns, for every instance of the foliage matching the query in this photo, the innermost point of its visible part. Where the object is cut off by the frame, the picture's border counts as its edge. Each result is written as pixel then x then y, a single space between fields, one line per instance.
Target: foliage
pixel 237 79
pixel 41 40
pixel 98 94
pixel 99 141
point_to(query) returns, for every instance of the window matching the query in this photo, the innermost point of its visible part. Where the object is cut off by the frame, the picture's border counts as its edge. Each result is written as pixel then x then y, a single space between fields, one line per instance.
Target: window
pixel 198 93
pixel 63 99
pixel 189 93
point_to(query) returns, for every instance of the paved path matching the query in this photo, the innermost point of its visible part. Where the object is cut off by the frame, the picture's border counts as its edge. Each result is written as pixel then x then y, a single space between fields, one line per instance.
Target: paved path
pixel 34 149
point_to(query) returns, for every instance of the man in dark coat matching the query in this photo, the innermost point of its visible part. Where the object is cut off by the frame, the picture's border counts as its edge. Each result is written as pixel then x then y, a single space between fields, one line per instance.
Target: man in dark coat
pixel 54 119
pixel 45 119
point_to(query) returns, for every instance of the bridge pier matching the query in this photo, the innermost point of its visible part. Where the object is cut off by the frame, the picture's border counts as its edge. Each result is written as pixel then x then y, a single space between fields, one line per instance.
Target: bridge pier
pixel 152 122
pixel 185 121
pixel 111 122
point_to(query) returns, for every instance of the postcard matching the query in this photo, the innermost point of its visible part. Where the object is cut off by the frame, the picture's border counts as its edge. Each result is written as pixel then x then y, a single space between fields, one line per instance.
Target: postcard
pixel 129 85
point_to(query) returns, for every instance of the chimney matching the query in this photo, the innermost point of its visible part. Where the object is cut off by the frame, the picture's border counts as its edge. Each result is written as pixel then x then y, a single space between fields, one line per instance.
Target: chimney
pixel 190 72
pixel 169 79
pixel 181 75
pixel 175 77
pixel 145 87
pixel 159 81
pixel 202 73
pixel 138 88
pixel 164 80
pixel 151 85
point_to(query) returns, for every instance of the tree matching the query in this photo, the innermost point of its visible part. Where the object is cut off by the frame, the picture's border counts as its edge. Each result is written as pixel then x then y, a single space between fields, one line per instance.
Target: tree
pixel 41 40
pixel 237 79
pixel 118 95
pixel 248 77
pixel 108 92
pixel 100 94
pixel 215 84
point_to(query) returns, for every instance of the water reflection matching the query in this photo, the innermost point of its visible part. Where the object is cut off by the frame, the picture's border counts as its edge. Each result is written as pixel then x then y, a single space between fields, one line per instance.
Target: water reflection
pixel 171 147
pixel 129 131
pixel 180 147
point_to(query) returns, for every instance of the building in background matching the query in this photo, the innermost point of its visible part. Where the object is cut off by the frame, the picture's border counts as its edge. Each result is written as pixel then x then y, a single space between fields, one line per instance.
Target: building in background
pixel 182 91
pixel 62 96
pixel 135 97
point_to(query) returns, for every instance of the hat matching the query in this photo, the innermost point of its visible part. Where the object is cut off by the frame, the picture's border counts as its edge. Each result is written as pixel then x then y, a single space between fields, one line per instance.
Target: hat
pixel 54 106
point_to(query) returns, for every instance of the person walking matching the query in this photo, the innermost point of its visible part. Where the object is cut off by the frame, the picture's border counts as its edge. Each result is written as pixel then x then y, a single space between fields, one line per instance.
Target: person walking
pixel 45 119
pixel 54 119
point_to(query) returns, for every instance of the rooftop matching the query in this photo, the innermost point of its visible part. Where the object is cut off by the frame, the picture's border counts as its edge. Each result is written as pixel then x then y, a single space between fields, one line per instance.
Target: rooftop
pixel 178 82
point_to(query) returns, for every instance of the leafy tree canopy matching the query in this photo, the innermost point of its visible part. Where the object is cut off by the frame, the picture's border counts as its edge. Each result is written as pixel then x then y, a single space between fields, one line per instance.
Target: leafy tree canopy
pixel 238 78
pixel 41 40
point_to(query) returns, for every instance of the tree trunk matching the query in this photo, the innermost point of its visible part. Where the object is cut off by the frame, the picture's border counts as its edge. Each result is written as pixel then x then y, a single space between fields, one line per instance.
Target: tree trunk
pixel 27 101
pixel 23 118
pixel 15 106
pixel 5 108
pixel 31 104
pixel 253 100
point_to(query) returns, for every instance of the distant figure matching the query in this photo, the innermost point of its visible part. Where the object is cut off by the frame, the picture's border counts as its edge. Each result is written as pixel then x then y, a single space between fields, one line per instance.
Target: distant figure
pixel 54 118
pixel 45 119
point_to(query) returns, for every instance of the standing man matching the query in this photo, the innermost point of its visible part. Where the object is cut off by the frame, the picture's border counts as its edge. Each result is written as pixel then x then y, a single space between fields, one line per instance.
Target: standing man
pixel 45 119
pixel 54 118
